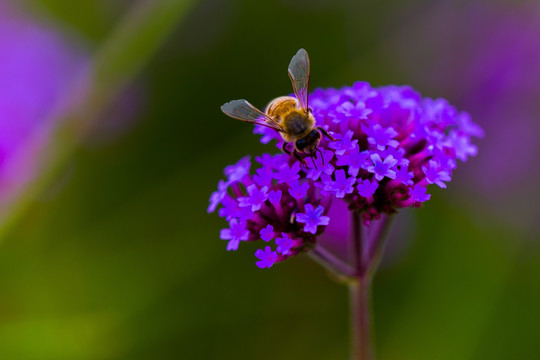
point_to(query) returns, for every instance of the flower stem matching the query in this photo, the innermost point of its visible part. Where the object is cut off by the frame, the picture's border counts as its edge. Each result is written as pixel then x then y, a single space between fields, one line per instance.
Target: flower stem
pixel 376 244
pixel 360 294
pixel 356 242
pixel 360 298
pixel 332 263
pixel 365 249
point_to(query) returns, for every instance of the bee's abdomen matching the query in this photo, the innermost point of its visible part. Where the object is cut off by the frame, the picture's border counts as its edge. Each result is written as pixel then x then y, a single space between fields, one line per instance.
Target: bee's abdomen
pixel 281 106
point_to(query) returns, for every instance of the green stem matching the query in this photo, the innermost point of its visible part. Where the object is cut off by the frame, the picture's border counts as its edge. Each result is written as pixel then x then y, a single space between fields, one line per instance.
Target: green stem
pixel 365 250
pixel 332 263
pixel 360 298
pixel 360 294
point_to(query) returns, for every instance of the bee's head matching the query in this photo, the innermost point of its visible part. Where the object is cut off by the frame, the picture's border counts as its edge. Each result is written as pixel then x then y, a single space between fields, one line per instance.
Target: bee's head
pixel 308 143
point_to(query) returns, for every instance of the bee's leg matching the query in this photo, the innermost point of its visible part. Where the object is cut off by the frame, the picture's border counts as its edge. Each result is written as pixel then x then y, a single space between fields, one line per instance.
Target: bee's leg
pixel 299 158
pixel 285 150
pixel 322 157
pixel 313 156
pixel 294 153
pixel 325 133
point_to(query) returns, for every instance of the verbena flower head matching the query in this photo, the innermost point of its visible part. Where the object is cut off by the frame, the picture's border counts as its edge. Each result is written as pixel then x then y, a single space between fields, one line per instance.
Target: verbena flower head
pixel 390 145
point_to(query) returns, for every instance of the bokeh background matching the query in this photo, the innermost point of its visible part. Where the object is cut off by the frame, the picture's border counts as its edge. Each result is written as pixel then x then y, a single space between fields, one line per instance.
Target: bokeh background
pixel 112 141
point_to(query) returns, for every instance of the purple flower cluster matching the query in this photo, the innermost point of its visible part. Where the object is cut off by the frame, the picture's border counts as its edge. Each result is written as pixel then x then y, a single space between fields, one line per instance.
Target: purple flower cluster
pixel 390 144
pixel 278 203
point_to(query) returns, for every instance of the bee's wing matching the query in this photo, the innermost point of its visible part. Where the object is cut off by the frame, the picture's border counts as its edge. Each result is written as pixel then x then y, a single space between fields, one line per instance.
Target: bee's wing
pixel 244 111
pixel 299 69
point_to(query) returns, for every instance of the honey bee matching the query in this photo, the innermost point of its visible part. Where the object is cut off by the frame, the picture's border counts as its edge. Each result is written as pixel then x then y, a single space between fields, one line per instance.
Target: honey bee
pixel 288 115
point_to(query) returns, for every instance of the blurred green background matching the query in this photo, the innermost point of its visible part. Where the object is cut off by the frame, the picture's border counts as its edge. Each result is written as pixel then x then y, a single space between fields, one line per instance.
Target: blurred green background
pixel 115 256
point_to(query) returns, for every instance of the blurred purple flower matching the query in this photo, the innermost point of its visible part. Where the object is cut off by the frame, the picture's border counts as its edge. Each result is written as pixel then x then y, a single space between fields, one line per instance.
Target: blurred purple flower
pixel 496 77
pixel 37 72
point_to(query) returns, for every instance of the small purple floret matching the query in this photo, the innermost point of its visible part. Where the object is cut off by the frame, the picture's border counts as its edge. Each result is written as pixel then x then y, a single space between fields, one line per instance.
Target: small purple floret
pixel 267 257
pixel 217 196
pixel 419 193
pixel 255 199
pixel 380 137
pixel 343 143
pixel 367 188
pixel 382 168
pixel 287 174
pixel 403 176
pixel 312 218
pixel 355 160
pixel 435 175
pixel 397 153
pixel 284 244
pixel 350 110
pixel 267 134
pixel 267 233
pixel 239 170
pixel 263 176
pixel 237 232
pixel 465 124
pixel 274 196
pixel 298 190
pixel 341 186
pixel 266 160
pixel 461 145
pixel 323 165
pixel 231 210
